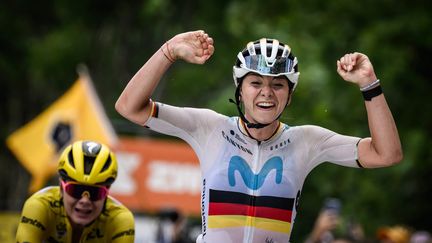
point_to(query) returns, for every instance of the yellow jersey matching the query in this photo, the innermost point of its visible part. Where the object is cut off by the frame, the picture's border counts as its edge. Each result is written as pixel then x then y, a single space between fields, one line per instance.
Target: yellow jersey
pixel 44 219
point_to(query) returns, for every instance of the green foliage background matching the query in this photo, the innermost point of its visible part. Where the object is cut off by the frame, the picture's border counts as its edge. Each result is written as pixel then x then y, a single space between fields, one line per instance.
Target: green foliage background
pixel 42 42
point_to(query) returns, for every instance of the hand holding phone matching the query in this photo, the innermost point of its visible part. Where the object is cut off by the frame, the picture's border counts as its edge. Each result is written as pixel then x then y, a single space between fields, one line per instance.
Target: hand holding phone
pixel 332 205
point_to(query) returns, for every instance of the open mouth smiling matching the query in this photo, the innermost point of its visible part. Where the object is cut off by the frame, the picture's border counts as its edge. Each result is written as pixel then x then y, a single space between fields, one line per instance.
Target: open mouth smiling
pixel 265 105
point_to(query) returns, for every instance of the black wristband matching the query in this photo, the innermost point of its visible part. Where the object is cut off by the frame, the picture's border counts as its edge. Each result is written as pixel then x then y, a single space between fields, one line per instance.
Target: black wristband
pixel 369 94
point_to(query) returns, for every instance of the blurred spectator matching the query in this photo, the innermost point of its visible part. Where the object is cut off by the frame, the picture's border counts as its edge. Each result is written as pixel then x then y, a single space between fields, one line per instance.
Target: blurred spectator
pixel 329 226
pixel 355 231
pixel 327 220
pixel 394 234
pixel 343 240
pixel 171 227
pixel 421 237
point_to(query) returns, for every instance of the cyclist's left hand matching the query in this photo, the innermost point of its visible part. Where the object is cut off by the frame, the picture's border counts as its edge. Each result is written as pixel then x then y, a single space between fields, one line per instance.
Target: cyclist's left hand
pixel 356 68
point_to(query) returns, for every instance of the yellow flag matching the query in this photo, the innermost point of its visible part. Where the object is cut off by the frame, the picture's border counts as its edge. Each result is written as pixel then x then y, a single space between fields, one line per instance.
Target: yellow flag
pixel 77 115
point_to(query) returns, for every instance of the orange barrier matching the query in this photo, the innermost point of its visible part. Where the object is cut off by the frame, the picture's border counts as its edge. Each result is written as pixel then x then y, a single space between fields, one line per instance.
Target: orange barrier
pixel 157 174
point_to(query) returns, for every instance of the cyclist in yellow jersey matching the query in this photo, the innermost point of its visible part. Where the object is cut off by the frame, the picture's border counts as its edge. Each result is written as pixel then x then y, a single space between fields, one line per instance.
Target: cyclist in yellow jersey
pixel 79 210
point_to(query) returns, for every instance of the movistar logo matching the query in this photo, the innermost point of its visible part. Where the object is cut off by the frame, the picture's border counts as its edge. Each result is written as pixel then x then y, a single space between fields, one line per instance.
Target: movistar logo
pixel 252 180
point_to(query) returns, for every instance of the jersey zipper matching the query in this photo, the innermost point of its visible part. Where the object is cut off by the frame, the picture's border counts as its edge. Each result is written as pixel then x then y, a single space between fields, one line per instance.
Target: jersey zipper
pixel 249 232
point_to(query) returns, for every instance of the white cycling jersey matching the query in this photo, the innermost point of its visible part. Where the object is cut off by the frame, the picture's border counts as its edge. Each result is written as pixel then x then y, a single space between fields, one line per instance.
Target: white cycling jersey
pixel 250 189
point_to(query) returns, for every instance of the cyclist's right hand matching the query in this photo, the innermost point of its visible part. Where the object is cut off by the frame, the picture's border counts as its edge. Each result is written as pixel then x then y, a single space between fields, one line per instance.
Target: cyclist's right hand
pixel 193 47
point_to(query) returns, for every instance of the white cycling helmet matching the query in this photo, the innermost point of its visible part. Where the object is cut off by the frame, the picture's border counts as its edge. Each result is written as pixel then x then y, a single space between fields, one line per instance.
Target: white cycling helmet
pixel 267 57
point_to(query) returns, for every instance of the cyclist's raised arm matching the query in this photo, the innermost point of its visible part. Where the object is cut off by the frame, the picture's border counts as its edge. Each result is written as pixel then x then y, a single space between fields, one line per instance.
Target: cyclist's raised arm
pixel 134 102
pixel 383 148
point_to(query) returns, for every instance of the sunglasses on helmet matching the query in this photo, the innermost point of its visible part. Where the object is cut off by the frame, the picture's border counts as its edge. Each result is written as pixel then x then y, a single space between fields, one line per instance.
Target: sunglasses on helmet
pixel 258 63
pixel 77 191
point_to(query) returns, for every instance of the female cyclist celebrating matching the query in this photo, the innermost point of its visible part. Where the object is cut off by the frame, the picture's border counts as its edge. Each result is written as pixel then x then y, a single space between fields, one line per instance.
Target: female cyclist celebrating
pixel 253 166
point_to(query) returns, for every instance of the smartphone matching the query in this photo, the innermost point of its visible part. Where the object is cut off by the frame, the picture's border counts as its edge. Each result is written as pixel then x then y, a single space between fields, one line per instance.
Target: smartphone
pixel 332 204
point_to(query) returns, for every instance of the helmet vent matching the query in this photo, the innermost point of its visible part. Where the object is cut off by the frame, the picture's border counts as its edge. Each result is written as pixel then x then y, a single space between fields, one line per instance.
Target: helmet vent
pixel 71 159
pixel 88 164
pixel 109 181
pixel 280 52
pixel 64 175
pixel 107 164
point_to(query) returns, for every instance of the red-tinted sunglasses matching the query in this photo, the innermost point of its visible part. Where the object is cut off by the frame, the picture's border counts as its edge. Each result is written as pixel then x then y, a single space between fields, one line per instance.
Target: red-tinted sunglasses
pixel 77 191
